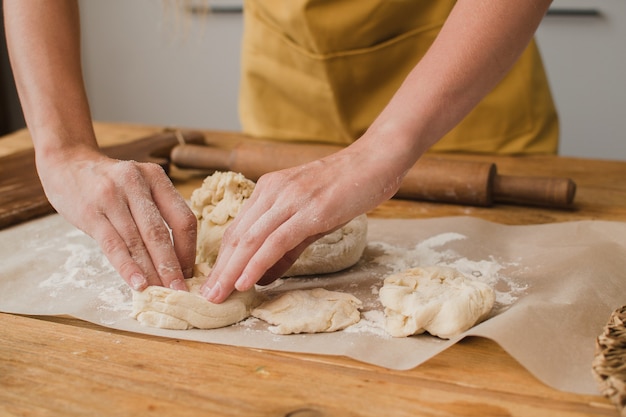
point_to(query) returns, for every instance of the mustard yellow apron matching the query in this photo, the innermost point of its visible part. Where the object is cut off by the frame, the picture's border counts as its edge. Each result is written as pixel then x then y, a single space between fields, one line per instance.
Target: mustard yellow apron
pixel 322 70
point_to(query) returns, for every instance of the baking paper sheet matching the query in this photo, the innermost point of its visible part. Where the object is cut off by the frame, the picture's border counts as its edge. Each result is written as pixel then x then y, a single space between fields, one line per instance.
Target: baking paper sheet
pixel 556 284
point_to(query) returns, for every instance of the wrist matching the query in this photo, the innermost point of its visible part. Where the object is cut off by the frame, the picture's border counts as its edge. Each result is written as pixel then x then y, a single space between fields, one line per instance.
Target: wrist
pixel 53 150
pixel 397 148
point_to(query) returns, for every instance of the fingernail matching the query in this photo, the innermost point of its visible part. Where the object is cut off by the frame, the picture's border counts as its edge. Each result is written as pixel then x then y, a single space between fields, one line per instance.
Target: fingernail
pixel 241 283
pixel 188 273
pixel 178 284
pixel 138 281
pixel 212 293
pixel 205 291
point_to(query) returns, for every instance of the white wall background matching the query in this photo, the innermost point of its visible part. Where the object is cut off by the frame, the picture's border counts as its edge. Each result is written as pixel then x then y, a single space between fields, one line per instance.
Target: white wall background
pixel 148 61
pixel 585 57
pixel 151 62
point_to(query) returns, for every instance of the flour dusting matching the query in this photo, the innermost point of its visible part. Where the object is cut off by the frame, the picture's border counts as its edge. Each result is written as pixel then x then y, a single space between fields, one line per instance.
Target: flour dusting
pixel 87 269
pixel 81 269
pixel 424 253
pixel 84 267
pixel 373 322
pixel 432 251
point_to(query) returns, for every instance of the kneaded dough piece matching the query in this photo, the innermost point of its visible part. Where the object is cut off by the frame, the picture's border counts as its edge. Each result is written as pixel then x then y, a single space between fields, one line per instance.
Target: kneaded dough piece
pixel 180 310
pixel 309 311
pixel 219 200
pixel 333 252
pixel 439 300
pixel 215 204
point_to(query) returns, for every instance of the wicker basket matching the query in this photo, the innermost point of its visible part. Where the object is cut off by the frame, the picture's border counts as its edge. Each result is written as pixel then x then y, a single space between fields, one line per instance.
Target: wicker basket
pixel 609 363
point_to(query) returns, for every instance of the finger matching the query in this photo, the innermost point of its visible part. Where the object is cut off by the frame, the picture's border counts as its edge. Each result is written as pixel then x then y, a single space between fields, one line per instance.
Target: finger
pixel 116 250
pixel 180 219
pixel 251 212
pixel 283 265
pixel 239 244
pixel 145 231
pixel 250 261
pixel 158 243
pixel 274 257
pixel 117 234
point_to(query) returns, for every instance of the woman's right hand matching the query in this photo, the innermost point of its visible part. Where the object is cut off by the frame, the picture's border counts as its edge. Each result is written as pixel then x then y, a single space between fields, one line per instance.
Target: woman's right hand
pixel 126 207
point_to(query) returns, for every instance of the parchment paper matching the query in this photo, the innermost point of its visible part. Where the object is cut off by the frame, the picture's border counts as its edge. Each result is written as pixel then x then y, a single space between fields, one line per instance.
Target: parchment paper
pixel 556 286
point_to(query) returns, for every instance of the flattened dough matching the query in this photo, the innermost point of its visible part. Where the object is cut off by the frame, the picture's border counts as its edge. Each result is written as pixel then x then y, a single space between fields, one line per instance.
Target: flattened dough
pixel 438 300
pixel 310 311
pixel 220 198
pixel 180 310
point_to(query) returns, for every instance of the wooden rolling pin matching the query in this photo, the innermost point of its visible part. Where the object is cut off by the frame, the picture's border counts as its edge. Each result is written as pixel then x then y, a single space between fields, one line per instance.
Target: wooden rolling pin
pixel 431 179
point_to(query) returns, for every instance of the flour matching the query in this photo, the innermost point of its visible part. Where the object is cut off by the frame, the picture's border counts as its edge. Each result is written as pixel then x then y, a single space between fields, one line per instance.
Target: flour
pixel 372 322
pixel 432 251
pixel 383 259
pixel 424 253
pixel 248 323
pixel 86 269
pixel 115 298
pixel 81 269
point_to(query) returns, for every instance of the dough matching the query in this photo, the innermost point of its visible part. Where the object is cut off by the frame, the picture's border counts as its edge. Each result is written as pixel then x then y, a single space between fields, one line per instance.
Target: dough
pixel 180 310
pixel 215 204
pixel 333 252
pixel 439 300
pixel 219 200
pixel 310 311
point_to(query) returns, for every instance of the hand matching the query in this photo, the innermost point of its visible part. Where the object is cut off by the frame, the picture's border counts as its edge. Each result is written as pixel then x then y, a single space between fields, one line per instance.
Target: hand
pixel 292 208
pixel 125 206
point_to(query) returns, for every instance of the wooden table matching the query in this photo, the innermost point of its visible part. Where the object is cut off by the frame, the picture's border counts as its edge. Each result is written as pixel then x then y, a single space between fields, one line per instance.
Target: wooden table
pixel 67 367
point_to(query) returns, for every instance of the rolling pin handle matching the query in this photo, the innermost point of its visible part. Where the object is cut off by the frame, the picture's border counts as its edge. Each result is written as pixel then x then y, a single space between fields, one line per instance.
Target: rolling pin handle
pixel 539 191
pixel 201 157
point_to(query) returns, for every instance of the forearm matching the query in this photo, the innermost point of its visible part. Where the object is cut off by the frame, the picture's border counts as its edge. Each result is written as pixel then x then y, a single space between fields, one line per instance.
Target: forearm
pixel 477 46
pixel 124 205
pixel 43 38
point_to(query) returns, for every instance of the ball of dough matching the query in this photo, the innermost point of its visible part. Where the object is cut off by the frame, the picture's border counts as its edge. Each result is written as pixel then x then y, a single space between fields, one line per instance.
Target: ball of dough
pixel 333 252
pixel 310 311
pixel 180 310
pixel 215 204
pixel 219 200
pixel 438 300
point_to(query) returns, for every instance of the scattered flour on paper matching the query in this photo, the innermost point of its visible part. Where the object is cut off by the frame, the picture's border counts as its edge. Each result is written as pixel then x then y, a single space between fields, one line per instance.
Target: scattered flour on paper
pixel 424 253
pixel 115 298
pixel 86 268
pixel 429 252
pixel 373 322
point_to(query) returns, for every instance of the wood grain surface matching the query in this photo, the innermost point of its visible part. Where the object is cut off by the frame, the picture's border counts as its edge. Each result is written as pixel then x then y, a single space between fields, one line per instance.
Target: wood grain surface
pixel 59 366
pixel 65 367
